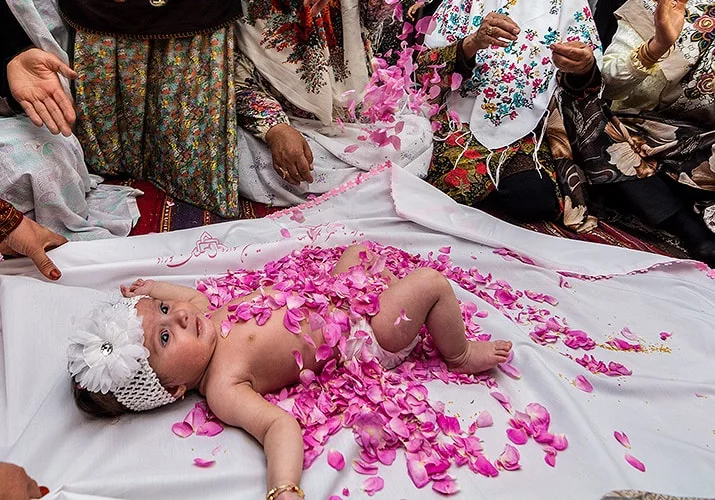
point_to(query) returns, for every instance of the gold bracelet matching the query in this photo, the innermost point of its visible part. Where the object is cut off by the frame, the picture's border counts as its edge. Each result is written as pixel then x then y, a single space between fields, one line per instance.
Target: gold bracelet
pixel 274 492
pixel 638 65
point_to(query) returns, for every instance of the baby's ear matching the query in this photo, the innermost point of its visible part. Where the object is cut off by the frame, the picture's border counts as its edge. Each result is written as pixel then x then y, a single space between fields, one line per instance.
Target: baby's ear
pixel 177 392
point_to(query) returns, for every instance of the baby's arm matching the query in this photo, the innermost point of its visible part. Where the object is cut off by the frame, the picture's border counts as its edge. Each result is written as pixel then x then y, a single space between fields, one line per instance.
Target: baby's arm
pixel 165 291
pixel 275 429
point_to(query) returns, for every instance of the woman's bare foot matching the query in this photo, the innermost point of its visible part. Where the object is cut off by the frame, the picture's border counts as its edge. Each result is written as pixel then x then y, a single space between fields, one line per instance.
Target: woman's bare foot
pixel 480 356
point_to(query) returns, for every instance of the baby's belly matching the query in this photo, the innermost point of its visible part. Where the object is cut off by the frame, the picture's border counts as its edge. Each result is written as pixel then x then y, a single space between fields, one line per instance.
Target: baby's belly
pixel 275 355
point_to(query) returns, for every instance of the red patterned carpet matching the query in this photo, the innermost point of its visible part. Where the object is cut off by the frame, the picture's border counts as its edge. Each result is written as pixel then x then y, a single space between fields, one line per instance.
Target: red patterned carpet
pixel 161 213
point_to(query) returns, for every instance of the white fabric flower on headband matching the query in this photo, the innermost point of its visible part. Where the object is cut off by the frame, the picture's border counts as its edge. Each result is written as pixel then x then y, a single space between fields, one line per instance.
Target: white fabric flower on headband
pixel 107 351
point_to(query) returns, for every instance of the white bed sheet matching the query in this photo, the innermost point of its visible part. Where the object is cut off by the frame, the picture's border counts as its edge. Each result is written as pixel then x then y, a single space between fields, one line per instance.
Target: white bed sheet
pixel 671 429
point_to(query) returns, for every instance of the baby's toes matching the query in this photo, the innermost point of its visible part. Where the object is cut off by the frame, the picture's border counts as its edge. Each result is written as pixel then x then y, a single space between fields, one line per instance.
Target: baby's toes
pixel 502 346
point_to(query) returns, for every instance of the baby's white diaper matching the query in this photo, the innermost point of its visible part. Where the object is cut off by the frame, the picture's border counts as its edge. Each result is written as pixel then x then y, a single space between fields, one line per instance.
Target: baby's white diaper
pixel 362 339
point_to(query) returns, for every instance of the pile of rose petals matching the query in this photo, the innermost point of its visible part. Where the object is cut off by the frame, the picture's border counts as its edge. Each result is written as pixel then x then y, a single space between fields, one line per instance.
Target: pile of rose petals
pixel 390 410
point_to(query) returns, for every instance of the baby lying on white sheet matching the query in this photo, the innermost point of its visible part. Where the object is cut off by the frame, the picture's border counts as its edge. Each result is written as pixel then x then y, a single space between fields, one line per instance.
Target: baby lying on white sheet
pixel 165 339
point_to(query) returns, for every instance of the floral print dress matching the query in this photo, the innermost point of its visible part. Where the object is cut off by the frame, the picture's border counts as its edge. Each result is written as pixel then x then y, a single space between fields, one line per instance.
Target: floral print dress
pixel 461 166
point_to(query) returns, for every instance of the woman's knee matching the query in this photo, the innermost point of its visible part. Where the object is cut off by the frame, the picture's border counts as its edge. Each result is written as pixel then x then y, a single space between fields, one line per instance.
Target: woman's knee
pixel 529 196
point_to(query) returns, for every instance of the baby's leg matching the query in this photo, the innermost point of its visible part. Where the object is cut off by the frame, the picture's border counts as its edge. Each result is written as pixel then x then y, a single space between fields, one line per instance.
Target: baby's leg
pixel 426 297
pixel 351 258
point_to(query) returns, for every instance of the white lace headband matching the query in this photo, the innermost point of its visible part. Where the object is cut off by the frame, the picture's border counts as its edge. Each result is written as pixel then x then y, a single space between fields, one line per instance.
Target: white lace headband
pixel 107 354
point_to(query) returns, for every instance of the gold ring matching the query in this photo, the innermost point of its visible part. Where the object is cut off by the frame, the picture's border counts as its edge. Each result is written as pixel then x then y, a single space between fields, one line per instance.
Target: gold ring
pixel 490 30
pixel 283 173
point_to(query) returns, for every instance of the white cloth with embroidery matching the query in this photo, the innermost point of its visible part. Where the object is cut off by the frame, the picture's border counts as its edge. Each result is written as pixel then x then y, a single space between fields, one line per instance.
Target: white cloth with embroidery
pixel 511 87
pixel 665 407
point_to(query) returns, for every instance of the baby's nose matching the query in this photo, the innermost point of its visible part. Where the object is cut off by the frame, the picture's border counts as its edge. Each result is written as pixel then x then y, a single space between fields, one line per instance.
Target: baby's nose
pixel 182 317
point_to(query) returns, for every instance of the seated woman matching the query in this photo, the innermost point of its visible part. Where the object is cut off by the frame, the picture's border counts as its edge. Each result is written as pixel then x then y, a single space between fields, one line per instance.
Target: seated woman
pixel 43 174
pixel 655 146
pixel 496 84
pixel 297 79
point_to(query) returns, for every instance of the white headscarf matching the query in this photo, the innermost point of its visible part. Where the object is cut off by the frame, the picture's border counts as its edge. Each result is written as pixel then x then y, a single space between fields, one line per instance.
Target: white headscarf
pixel 511 87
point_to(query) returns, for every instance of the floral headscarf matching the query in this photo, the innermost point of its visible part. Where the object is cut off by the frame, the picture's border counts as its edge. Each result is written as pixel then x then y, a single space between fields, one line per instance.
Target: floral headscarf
pixel 312 61
pixel 511 87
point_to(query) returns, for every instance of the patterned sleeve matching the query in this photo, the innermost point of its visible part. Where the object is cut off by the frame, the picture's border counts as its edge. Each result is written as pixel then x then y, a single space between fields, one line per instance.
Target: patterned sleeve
pixel 257 109
pixel 620 75
pixel 10 218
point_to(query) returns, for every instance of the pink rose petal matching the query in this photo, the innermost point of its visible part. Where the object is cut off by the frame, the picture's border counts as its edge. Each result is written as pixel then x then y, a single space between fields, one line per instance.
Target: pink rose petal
pixel 298 359
pixel 582 383
pixel 372 485
pixel 622 438
pixel 510 370
pixel 182 429
pixel 209 428
pixel 336 459
pixel 517 436
pixel 417 472
pixel 484 419
pixel 351 148
pixel 446 486
pixel 285 233
pixel 200 462
pixel 665 335
pixel 635 462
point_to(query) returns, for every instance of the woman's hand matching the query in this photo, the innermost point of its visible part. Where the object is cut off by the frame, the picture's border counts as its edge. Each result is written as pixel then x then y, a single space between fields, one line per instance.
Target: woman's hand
pixel 669 20
pixel 32 76
pixel 412 10
pixel 496 29
pixel 572 57
pixel 292 157
pixel 15 484
pixel 139 287
pixel 31 239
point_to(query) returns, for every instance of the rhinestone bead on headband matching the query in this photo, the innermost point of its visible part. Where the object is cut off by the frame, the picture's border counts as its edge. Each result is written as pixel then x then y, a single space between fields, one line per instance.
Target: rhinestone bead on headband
pixel 107 354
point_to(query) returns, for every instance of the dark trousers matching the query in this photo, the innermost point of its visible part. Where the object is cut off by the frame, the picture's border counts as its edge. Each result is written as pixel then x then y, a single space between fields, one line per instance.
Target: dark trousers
pixel 527 196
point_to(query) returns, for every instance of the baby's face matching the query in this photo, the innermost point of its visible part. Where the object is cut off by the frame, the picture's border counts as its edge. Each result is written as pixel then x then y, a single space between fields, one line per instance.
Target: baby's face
pixel 180 339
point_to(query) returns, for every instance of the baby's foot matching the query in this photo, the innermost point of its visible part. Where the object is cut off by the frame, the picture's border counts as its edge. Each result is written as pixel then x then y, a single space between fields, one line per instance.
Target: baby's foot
pixel 480 356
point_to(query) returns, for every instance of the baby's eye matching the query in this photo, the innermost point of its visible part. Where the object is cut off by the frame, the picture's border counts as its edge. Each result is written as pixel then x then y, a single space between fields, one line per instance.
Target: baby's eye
pixel 164 308
pixel 164 337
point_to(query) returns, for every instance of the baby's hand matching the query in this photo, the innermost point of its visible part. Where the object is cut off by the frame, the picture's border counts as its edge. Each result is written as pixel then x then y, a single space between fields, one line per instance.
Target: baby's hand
pixel 139 287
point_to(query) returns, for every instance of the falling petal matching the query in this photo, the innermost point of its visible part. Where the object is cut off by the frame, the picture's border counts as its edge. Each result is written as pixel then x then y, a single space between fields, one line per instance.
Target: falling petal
pixel 200 462
pixel 351 148
pixel 372 485
pixel 182 429
pixel 336 459
pixel 550 459
pixel 346 492
pixel 285 233
pixel 622 438
pixel 627 333
pixel 635 462
pixel 425 25
pixel 582 383
pixel 698 395
pixel 216 450
pixel 665 335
